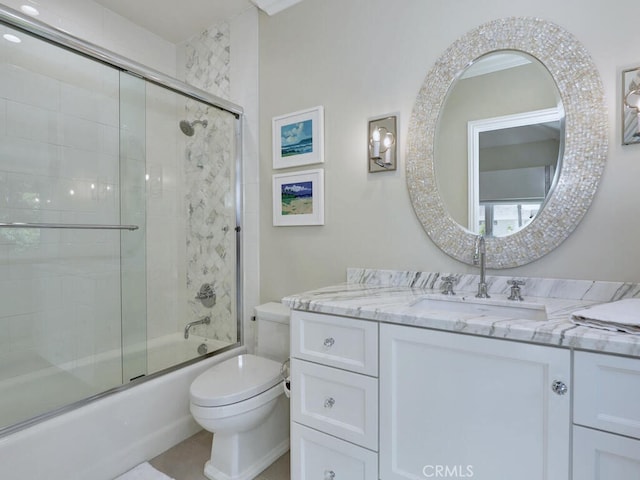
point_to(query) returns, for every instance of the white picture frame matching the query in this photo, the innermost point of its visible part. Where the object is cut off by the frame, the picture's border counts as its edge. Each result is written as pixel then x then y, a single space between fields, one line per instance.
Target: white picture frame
pixel 298 138
pixel 298 198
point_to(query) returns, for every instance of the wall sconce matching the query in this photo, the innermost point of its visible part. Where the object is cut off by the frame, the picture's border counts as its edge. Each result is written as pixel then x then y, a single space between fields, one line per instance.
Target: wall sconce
pixel 383 141
pixel 631 106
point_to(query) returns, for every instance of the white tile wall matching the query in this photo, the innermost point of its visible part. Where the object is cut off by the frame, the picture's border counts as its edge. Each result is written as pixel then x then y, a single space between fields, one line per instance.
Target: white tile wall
pixel 57 140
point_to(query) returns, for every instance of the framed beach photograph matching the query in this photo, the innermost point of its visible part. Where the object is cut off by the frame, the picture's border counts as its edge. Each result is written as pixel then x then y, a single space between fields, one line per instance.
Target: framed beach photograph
pixel 298 138
pixel 298 198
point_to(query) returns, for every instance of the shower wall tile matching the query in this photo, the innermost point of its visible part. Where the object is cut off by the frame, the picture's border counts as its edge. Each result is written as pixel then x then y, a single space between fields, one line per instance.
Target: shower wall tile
pixel 208 60
pixel 89 104
pixel 31 157
pixel 22 331
pixel 18 298
pixel 33 123
pixel 80 133
pixel 28 87
pixel 209 183
pixel 3 115
pixel 110 141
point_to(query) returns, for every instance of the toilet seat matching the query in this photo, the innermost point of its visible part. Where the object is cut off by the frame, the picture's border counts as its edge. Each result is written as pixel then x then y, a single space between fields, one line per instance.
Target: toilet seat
pixel 239 408
pixel 234 380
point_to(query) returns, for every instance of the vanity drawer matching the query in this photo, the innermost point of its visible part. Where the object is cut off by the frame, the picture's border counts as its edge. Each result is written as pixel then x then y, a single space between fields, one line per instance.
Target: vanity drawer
pixel 607 393
pixel 604 456
pixel 317 456
pixel 334 401
pixel 336 341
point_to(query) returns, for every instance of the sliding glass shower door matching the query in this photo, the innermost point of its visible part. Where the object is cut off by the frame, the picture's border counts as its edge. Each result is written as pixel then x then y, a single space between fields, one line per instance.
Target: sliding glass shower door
pixel 72 241
pixel 119 223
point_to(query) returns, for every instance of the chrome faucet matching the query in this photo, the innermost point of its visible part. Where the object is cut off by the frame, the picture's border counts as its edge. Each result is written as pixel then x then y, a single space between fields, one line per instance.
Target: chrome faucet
pixel 203 321
pixel 479 258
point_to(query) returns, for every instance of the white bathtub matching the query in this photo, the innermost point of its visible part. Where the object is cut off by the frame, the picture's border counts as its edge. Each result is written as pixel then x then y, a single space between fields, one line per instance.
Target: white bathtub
pixel 30 385
pixel 108 436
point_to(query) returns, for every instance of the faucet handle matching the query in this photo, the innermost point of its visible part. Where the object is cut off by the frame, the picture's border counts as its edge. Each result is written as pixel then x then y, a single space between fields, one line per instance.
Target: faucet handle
pixel 447 285
pixel 515 289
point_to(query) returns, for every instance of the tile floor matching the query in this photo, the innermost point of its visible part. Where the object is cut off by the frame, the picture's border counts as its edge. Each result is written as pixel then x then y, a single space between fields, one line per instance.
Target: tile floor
pixel 186 460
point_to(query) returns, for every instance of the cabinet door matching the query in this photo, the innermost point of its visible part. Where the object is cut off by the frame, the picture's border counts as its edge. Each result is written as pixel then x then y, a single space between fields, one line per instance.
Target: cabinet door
pixel 453 405
pixel 606 392
pixel 604 456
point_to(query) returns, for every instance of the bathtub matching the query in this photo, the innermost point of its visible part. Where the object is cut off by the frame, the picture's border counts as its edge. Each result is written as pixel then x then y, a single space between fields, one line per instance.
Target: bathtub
pixel 112 434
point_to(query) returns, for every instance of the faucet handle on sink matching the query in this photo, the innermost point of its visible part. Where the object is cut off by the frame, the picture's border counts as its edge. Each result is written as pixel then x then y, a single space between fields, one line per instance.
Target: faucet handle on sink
pixel 515 290
pixel 447 285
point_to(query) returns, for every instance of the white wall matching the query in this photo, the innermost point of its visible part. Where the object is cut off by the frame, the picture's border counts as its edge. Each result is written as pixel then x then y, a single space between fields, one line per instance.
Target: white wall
pixel 364 58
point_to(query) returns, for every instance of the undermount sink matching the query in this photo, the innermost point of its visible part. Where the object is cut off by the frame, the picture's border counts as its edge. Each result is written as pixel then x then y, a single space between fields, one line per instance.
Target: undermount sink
pixel 482 306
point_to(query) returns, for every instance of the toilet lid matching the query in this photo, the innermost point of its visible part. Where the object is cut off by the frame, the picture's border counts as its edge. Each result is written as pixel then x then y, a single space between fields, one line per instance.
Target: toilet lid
pixel 234 380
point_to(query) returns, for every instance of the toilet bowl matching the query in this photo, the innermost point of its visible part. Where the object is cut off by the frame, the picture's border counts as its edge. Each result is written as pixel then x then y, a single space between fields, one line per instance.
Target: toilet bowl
pixel 242 401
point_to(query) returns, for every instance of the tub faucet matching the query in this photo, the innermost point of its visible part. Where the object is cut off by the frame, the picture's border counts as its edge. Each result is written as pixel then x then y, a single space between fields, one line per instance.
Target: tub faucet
pixel 203 321
pixel 479 258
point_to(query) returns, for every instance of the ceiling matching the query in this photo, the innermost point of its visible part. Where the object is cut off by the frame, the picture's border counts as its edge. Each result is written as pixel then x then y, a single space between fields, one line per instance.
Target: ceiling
pixel 176 20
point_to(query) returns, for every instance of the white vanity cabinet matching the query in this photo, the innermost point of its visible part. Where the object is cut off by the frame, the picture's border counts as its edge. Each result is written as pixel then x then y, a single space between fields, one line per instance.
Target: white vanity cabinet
pixel 606 435
pixel 334 397
pixel 461 406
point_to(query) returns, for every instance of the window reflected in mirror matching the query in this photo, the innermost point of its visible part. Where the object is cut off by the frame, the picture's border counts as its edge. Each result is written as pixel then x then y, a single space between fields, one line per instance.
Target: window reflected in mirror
pixel 499 142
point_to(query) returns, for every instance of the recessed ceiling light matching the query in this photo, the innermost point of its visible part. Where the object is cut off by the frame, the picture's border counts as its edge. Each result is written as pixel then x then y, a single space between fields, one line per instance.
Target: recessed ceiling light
pixel 29 10
pixel 11 38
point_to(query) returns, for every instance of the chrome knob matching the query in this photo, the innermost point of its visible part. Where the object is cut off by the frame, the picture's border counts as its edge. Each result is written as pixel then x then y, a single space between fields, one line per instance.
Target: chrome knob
pixel 329 475
pixel 328 342
pixel 559 387
pixel 329 402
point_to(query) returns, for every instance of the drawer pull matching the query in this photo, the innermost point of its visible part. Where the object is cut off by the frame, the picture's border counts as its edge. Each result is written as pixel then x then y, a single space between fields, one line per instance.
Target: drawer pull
pixel 559 387
pixel 329 402
pixel 329 475
pixel 328 342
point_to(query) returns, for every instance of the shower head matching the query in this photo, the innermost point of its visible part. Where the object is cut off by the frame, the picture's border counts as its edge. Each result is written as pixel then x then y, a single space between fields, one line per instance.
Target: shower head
pixel 187 127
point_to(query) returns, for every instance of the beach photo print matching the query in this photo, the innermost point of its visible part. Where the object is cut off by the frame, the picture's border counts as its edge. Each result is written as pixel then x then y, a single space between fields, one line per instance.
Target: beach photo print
pixel 298 138
pixel 298 198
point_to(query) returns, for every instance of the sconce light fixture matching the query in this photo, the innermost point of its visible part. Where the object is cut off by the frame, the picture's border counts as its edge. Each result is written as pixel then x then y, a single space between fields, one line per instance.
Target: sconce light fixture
pixel 631 106
pixel 383 141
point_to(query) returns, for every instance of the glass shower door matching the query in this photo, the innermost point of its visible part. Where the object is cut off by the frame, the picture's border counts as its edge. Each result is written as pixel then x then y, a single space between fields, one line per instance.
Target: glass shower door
pixel 62 274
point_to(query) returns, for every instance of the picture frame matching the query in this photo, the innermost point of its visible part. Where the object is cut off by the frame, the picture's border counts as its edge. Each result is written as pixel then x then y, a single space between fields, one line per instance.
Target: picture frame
pixel 298 138
pixel 298 198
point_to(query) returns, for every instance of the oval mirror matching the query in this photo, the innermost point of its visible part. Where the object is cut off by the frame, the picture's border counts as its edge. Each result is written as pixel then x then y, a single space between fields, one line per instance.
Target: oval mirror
pixel 498 143
pixel 468 172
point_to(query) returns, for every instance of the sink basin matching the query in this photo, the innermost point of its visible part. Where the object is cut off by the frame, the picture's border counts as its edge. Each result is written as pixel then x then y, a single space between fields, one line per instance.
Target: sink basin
pixel 482 306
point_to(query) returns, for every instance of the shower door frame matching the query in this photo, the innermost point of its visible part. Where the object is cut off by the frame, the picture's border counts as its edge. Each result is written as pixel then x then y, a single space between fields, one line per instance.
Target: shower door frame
pixel 45 32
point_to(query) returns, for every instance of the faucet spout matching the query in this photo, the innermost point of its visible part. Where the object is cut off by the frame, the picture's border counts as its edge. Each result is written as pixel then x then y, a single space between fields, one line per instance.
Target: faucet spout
pixel 479 258
pixel 203 321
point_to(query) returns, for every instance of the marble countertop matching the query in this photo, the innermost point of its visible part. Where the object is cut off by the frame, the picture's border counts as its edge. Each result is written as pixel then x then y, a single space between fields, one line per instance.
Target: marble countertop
pixel 398 297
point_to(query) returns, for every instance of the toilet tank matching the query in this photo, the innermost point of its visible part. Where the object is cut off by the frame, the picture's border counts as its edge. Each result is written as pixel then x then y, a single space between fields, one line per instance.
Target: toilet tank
pixel 272 326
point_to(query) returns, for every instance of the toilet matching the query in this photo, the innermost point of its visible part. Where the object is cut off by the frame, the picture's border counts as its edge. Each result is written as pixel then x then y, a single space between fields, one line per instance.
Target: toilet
pixel 242 401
